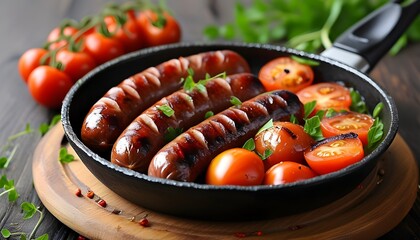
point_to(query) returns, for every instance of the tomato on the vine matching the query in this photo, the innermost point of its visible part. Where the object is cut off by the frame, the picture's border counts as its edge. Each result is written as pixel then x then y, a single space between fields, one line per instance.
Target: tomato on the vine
pixel 285 141
pixel 236 166
pixel 327 95
pixel 287 172
pixel 54 35
pixel 75 64
pixel 158 28
pixel 129 35
pixel 30 60
pixel 48 86
pixel 347 122
pixel 285 73
pixel 102 48
pixel 334 153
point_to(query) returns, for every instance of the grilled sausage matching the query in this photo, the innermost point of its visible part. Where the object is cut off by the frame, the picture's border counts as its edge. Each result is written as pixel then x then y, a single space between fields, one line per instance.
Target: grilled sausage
pixel 121 104
pixel 188 156
pixel 141 140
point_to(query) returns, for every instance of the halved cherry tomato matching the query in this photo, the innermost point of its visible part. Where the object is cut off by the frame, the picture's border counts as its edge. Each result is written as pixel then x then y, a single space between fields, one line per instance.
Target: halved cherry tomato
pixel 158 28
pixel 335 153
pixel 327 95
pixel 347 122
pixel 102 48
pixel 30 60
pixel 76 64
pixel 236 166
pixel 287 172
pixel 285 140
pixel 54 35
pixel 48 86
pixel 129 35
pixel 286 73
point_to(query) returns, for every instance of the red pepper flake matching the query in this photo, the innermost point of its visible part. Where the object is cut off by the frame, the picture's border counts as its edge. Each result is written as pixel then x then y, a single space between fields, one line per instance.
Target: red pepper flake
pixel 102 203
pixel 144 222
pixel 78 192
pixel 90 194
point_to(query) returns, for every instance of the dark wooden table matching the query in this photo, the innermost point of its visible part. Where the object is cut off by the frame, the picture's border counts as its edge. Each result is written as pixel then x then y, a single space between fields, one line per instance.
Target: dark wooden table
pixel 25 24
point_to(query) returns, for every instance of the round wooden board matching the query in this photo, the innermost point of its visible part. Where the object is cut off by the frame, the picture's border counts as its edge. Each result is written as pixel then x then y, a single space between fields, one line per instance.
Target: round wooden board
pixel 379 203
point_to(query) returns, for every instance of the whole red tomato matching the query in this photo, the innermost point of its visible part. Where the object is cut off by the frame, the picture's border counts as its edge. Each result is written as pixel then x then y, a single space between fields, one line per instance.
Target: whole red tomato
pixel 236 166
pixel 158 28
pixel 102 48
pixel 75 64
pixel 48 86
pixel 285 141
pixel 287 172
pixel 55 34
pixel 129 35
pixel 30 60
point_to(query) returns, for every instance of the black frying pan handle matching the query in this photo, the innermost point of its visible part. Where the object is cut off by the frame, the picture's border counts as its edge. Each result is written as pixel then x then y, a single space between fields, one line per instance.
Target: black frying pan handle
pixel 372 37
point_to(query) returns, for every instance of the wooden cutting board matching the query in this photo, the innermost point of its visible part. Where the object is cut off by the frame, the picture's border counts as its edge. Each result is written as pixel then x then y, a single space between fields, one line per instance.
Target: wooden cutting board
pixel 371 210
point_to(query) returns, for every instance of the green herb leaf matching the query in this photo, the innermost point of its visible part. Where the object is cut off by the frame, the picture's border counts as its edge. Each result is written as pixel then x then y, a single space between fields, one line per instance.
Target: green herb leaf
pixel 171 133
pixel 267 153
pixel 29 210
pixel 249 145
pixel 305 61
pixel 266 126
pixel 5 233
pixel 309 107
pixel 293 119
pixel 3 181
pixel 3 161
pixel 357 102
pixel 188 84
pixel 64 156
pixel 313 127
pixel 375 133
pixel 377 110
pixel 166 109
pixel 208 114
pixel 235 101
pixel 42 237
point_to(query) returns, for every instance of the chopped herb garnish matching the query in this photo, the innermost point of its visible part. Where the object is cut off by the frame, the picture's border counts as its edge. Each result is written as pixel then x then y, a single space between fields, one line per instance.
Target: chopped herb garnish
pixel 171 133
pixel 357 102
pixel 305 61
pixel 208 114
pixel 309 108
pixel 64 156
pixel 293 119
pixel 267 153
pixel 377 110
pixel 9 187
pixel 266 126
pixel 376 130
pixel 166 109
pixel 44 128
pixel 235 101
pixel 313 127
pixel 249 145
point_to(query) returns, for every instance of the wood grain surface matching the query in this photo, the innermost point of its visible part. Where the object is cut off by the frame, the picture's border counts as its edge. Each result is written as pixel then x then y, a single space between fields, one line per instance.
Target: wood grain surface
pixel 377 205
pixel 25 24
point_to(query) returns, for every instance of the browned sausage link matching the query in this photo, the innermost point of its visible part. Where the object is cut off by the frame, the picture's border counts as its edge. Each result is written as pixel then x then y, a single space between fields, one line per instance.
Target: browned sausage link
pixel 188 156
pixel 121 104
pixel 141 140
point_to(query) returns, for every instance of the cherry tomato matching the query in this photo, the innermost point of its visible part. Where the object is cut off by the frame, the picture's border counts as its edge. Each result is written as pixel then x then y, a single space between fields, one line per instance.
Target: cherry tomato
pixel 236 166
pixel 48 86
pixel 335 153
pixel 129 35
pixel 285 140
pixel 287 172
pixel 347 122
pixel 327 95
pixel 285 73
pixel 158 29
pixel 102 48
pixel 55 34
pixel 76 64
pixel 30 60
